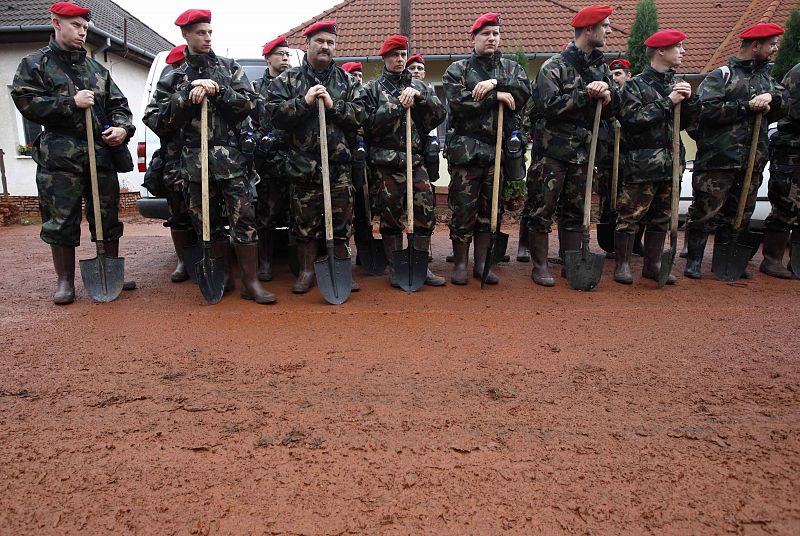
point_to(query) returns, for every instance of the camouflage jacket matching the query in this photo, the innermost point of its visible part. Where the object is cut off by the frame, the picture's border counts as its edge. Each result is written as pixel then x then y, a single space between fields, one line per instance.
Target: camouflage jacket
pixel 385 128
pixel 170 112
pixel 270 165
pixel 725 126
pixel 287 106
pixel 785 144
pixel 474 124
pixel 647 119
pixel 44 94
pixel 566 106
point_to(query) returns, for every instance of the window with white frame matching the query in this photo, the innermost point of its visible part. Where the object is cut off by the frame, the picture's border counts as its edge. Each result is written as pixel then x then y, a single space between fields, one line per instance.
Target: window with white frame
pixel 26 133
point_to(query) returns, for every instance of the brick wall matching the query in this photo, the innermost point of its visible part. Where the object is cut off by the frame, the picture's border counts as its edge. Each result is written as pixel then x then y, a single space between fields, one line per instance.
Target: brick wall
pixel 13 207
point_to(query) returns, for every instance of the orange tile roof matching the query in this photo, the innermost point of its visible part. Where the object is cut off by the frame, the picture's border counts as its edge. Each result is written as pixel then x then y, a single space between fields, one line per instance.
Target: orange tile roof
pixel 441 27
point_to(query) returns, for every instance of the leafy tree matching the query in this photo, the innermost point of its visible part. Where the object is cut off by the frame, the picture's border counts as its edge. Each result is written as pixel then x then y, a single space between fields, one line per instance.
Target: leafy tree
pixel 644 25
pixel 789 52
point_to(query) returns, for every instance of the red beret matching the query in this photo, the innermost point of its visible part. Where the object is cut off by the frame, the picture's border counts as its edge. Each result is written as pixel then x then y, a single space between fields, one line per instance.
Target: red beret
pixel 67 9
pixel 620 63
pixel 279 41
pixel 590 15
pixel 418 58
pixel 393 42
pixel 487 19
pixel 762 31
pixel 664 38
pixel 193 16
pixel 351 66
pixel 321 26
pixel 176 54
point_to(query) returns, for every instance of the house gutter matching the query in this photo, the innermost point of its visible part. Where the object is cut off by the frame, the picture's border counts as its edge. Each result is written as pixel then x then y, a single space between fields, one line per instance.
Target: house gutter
pixel 92 28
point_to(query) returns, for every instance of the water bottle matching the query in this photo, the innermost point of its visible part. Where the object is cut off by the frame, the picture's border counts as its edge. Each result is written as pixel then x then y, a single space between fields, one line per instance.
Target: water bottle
pixel 514 158
pixel 432 158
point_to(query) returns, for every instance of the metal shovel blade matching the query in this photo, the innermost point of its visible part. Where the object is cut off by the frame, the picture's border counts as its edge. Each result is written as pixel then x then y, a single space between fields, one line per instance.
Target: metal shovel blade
pixel 731 256
pixel 371 253
pixel 499 253
pixel 103 277
pixel 410 266
pixel 191 257
pixel 210 275
pixel 668 259
pixel 584 268
pixel 334 277
pixel 605 233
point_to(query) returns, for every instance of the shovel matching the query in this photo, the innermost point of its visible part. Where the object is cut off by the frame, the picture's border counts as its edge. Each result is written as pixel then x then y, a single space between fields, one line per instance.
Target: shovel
pixel 370 249
pixel 102 276
pixel 730 257
pixel 605 230
pixel 498 242
pixel 334 276
pixel 668 256
pixel 410 264
pixel 584 268
pixel 210 271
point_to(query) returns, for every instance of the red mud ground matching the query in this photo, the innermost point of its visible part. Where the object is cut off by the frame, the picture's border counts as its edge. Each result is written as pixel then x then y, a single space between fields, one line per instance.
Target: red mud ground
pixel 516 409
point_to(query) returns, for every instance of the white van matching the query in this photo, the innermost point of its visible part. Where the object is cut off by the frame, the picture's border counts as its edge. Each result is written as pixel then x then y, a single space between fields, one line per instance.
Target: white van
pixel 148 142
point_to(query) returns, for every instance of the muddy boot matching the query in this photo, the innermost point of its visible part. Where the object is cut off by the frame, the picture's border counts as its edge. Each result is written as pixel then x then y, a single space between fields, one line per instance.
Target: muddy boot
pixel 306 255
pixel 341 250
pixel 181 240
pixel 451 257
pixel 479 256
pixel 567 241
pixel 653 247
pixel 266 247
pixel 795 238
pixel 623 247
pixel 638 247
pixel 696 247
pixel 247 254
pixel 523 251
pixel 685 250
pixel 64 263
pixel 774 246
pixel 391 243
pixel 112 250
pixel 423 243
pixel 461 257
pixel 539 243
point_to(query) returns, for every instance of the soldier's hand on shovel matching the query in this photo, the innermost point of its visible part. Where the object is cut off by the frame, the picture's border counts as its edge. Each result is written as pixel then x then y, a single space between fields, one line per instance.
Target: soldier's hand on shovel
pixel 507 99
pixel 408 96
pixel 84 99
pixel 197 95
pixel 760 103
pixel 599 90
pixel 211 87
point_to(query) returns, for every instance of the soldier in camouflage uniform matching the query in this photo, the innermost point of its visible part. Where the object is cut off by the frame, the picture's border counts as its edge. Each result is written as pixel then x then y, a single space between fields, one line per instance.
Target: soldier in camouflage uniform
pixel 389 98
pixel 292 103
pixel 272 209
pixel 784 182
pixel 648 103
pixel 730 97
pixel 474 88
pixel 175 108
pixel 567 87
pixel 45 94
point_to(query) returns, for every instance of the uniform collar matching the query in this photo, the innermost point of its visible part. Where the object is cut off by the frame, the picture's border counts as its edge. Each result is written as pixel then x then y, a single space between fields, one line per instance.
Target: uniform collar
pixel 71 56
pixel 487 62
pixel 748 66
pixel 402 78
pixel 595 57
pixel 201 61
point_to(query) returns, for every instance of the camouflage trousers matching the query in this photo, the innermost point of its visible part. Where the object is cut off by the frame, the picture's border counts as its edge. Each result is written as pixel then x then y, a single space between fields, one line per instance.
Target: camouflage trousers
pixel 715 197
pixel 555 189
pixel 179 217
pixel 60 196
pixel 272 207
pixel 470 201
pixel 784 196
pixel 392 199
pixel 228 199
pixel 307 206
pixel 644 201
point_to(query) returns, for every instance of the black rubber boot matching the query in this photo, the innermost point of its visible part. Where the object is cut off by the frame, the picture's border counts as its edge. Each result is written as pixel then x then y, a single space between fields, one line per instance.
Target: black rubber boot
pixel 479 256
pixel 423 243
pixel 181 239
pixel 638 246
pixel 653 247
pixel 523 249
pixel 306 255
pixel 64 264
pixel 461 257
pixel 539 243
pixel 112 250
pixel 341 250
pixel 696 247
pixel 266 247
pixel 247 254
pixel 391 243
pixel 567 241
pixel 623 247
pixel 773 248
pixel 685 251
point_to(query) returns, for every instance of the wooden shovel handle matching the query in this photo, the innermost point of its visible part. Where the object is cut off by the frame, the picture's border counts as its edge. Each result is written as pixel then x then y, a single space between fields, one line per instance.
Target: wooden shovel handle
pixel 498 153
pixel 409 177
pixel 204 170
pixel 326 174
pixel 587 199
pixel 676 166
pixel 615 167
pixel 98 223
pixel 748 176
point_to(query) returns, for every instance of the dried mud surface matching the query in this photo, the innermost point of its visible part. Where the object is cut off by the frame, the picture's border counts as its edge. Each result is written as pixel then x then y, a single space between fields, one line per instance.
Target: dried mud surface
pixel 516 409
